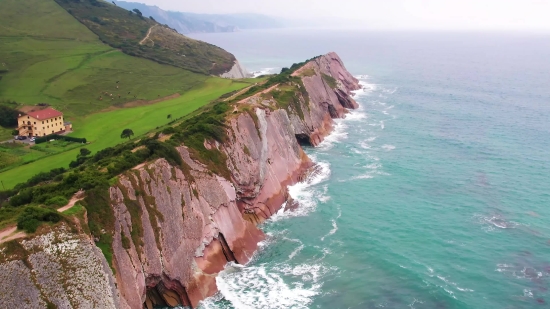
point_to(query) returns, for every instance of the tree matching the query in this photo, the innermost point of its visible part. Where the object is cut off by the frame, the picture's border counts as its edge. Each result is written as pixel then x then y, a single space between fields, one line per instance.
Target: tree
pixel 8 116
pixel 151 17
pixel 138 12
pixel 84 152
pixel 127 133
pixel 169 116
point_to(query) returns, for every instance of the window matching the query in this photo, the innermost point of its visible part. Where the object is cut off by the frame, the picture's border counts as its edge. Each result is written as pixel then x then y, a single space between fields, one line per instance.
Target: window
pixel 35 122
pixel 42 128
pixel 42 122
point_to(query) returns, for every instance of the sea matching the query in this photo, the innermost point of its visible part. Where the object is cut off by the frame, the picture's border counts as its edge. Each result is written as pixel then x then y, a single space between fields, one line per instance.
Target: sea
pixel 435 193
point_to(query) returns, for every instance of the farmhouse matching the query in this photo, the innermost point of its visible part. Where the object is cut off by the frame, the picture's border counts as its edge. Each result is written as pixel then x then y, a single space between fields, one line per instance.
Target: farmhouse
pixel 42 122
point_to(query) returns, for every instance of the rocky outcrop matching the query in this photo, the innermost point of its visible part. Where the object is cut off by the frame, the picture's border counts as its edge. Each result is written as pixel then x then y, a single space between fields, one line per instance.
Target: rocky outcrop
pixel 58 269
pixel 176 227
pixel 237 71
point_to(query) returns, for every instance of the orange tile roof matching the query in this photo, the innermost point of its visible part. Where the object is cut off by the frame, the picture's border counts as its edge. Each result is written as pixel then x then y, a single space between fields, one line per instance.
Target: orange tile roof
pixel 45 113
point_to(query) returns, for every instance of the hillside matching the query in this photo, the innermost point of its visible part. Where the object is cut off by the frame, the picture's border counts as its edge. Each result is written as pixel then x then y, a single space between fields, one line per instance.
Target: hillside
pixel 130 32
pixel 48 56
pixel 185 22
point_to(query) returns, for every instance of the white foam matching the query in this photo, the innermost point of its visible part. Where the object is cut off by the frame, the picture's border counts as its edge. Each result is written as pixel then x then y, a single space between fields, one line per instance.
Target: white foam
pixel 324 197
pixel 296 251
pixel 363 76
pixel 451 293
pixel 366 89
pixel 306 194
pixel 411 305
pixel 334 226
pixel 306 272
pixel 256 287
pixel 464 290
pixel 365 145
pixel 496 221
pixel 365 176
pixel 373 172
pixel 264 71
pixel 388 147
pixel 338 134
pixel 355 116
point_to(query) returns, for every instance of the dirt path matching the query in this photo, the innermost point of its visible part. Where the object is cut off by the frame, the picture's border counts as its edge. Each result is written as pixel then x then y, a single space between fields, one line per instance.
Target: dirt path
pixel 239 93
pixel 147 36
pixel 10 233
pixel 78 196
pixel 259 93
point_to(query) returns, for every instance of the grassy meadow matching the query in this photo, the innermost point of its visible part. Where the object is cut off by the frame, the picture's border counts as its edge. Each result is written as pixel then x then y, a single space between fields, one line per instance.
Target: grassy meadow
pixel 104 129
pixel 15 154
pixel 47 56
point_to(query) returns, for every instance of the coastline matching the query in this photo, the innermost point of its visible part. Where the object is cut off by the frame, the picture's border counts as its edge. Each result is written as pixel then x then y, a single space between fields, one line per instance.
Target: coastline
pixel 176 227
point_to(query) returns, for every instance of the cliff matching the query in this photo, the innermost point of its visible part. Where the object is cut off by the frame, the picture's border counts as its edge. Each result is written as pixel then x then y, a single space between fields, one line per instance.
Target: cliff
pixel 237 71
pixel 176 226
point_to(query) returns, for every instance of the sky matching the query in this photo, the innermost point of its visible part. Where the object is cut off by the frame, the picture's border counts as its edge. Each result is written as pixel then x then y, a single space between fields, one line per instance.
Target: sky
pixel 387 14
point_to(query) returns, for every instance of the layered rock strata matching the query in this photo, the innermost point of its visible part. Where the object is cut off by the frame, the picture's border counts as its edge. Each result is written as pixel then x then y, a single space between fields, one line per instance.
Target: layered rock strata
pixel 176 227
pixel 58 269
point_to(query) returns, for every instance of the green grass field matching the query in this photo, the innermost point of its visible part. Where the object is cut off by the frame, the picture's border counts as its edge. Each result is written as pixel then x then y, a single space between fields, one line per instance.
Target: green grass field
pixel 51 57
pixel 14 154
pixel 71 75
pixel 48 56
pixel 103 129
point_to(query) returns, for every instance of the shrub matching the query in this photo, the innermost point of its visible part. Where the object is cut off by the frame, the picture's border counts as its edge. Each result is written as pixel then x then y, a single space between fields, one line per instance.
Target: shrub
pixel 24 197
pixel 41 177
pixel 169 130
pixel 84 152
pixel 8 116
pixel 32 217
pixel 57 201
pixel 46 138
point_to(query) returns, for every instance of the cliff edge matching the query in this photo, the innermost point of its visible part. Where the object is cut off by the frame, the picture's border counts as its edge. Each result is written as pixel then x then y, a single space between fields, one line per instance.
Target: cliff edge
pixel 177 223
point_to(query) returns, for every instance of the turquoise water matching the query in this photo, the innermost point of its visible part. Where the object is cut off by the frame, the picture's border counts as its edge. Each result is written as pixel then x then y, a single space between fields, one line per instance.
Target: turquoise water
pixel 434 194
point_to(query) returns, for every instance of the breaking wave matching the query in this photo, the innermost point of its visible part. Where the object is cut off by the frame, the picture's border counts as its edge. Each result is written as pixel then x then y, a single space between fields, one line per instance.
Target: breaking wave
pixel 305 193
pixel 282 286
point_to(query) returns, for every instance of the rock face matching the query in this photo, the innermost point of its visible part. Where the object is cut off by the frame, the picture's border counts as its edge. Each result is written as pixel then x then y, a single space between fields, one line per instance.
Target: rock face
pixel 237 71
pixel 176 227
pixel 59 268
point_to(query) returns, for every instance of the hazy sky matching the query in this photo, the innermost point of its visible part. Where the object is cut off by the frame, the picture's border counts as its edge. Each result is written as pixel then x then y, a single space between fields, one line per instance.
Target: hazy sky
pixel 388 14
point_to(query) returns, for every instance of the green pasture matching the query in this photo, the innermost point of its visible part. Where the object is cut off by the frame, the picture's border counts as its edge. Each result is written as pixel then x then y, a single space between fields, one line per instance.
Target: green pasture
pixel 47 56
pixel 103 129
pixel 13 154
pixel 72 75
